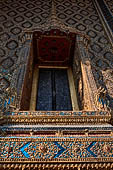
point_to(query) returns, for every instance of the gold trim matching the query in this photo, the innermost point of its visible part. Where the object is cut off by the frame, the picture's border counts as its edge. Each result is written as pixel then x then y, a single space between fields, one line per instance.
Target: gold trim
pixel 59 139
pixel 87 91
pixel 72 90
pixel 57 166
pixel 34 89
pixel 102 159
pixel 51 120
pixel 58 67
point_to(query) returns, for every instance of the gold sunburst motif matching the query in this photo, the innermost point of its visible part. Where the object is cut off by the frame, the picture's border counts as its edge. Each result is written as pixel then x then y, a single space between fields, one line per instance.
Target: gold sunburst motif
pixel 106 148
pixel 43 148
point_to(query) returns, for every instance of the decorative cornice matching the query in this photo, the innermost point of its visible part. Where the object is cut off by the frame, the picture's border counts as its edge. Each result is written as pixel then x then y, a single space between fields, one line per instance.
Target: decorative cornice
pixel 69 118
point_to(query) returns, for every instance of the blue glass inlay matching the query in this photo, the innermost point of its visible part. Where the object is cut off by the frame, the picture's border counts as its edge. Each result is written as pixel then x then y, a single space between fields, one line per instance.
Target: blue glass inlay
pixel 60 151
pixel 9 101
pixel 23 151
pixel 89 147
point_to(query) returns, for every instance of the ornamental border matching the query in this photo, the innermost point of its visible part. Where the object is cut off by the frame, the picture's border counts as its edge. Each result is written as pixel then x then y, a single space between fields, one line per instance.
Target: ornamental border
pixel 59 139
pixel 107 159
pixel 56 119
pixel 53 160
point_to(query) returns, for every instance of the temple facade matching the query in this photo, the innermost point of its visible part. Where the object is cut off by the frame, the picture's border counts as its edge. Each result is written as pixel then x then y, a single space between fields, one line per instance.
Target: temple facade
pixel 56 84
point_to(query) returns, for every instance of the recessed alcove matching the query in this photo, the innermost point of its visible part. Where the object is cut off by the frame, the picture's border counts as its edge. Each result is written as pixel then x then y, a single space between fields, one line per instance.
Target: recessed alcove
pixel 51 53
pixel 51 80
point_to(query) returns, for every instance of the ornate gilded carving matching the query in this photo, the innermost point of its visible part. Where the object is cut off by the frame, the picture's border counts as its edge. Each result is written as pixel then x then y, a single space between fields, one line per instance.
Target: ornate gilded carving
pixel 89 83
pixel 56 149
pixel 58 152
pixel 58 166
pixel 64 117
pixel 101 99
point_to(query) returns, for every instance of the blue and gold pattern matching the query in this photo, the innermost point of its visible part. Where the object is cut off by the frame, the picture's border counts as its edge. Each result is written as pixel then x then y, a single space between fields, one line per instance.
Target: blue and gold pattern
pixel 82 15
pixel 61 113
pixel 57 117
pixel 56 148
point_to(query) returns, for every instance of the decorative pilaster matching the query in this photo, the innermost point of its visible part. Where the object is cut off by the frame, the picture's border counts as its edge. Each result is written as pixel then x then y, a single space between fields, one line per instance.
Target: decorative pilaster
pixel 90 88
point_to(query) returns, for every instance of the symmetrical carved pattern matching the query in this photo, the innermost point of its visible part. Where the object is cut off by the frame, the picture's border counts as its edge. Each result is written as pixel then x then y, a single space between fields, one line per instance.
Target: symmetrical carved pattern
pixel 64 117
pixel 74 14
pixel 18 21
pixel 56 149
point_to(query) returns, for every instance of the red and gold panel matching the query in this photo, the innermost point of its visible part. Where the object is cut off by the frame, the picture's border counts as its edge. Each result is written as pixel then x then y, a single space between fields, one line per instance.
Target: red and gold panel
pixel 54 48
